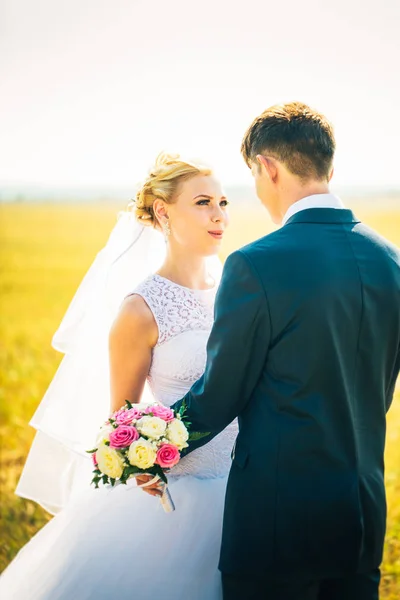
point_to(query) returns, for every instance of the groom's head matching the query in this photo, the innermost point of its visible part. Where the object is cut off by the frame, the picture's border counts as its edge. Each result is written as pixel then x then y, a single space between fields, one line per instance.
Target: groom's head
pixel 289 149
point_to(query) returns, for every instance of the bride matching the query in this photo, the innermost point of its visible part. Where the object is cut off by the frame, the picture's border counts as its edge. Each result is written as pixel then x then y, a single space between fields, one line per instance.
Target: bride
pixel 139 330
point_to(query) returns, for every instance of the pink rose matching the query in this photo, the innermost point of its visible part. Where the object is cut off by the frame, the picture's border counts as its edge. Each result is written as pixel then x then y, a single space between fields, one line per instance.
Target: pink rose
pixel 167 456
pixel 126 416
pixel 94 459
pixel 123 436
pixel 162 412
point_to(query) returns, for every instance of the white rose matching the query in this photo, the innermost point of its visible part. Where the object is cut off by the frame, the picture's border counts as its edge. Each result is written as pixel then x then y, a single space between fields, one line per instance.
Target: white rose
pixel 104 434
pixel 177 434
pixel 142 454
pixel 152 427
pixel 109 461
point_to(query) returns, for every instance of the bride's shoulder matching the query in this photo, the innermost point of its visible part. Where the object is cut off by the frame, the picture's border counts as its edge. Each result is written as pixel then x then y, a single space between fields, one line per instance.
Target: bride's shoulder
pixel 158 292
pixel 135 306
pixel 135 318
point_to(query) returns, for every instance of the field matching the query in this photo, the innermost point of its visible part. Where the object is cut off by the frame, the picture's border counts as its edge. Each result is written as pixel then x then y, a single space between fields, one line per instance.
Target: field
pixel 45 249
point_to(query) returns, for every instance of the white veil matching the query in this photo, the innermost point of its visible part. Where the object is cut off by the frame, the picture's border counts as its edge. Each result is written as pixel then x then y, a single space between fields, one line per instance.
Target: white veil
pixel 77 400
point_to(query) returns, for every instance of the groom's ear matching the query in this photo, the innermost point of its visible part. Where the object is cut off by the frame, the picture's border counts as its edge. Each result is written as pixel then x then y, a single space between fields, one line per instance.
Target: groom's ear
pixel 268 167
pixel 331 174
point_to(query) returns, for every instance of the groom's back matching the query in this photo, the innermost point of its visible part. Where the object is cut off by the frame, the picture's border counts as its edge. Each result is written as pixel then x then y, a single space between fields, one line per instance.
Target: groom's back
pixel 334 298
pixel 333 290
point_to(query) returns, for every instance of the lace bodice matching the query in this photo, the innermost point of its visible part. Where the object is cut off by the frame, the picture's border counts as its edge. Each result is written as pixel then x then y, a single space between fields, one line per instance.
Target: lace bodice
pixel 184 319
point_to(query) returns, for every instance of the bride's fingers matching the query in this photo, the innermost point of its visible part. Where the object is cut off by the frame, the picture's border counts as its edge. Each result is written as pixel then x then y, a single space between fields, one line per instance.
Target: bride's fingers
pixel 154 490
pixel 144 479
pixel 156 487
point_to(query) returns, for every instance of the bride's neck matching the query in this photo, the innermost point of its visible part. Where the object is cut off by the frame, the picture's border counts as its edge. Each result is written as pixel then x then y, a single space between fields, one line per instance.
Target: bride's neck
pixel 188 270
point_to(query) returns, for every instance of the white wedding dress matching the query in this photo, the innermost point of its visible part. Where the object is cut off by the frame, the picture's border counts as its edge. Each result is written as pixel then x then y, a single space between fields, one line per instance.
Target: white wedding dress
pixel 118 543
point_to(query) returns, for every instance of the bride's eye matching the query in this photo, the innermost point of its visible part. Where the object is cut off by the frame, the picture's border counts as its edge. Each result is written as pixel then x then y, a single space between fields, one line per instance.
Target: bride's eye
pixel 224 203
pixel 202 202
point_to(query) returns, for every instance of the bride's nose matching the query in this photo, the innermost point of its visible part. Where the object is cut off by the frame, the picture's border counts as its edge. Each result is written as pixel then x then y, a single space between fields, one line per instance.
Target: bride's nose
pixel 217 216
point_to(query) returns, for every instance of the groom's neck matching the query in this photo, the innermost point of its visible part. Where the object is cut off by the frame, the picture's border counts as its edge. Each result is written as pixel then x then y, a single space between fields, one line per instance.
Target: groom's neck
pixel 293 194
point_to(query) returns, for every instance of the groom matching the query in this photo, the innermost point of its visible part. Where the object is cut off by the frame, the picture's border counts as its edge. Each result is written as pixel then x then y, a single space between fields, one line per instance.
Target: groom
pixel 305 351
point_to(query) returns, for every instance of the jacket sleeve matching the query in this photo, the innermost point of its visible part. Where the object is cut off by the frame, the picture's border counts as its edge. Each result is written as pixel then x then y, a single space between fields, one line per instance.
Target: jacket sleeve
pixel 236 350
pixel 393 380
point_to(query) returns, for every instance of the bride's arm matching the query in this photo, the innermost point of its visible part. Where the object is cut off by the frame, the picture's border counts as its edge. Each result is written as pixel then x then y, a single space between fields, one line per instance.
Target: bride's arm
pixel 132 337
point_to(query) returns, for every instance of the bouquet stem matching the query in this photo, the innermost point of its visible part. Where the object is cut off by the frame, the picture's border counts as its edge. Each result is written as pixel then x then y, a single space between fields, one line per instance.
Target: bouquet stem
pixel 166 501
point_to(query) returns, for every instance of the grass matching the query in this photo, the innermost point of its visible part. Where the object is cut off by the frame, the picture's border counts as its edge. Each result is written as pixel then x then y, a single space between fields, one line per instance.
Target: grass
pixel 45 249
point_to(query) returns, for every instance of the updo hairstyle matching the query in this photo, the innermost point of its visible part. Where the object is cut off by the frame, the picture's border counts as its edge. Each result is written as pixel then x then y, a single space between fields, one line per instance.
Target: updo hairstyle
pixel 163 182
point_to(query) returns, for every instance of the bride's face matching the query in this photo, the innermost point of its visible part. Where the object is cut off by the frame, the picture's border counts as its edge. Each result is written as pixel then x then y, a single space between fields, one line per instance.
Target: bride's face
pixel 199 217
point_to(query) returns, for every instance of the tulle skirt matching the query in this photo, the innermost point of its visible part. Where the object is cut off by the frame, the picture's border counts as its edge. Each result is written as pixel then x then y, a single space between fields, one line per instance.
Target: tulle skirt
pixel 119 543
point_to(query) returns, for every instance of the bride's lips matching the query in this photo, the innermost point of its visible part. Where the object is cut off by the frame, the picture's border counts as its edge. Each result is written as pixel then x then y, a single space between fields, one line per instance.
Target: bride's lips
pixel 217 234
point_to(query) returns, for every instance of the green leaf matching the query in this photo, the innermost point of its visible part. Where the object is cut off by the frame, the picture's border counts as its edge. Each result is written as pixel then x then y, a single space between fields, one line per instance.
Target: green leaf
pixel 107 443
pixel 163 477
pixel 129 404
pixel 198 435
pixel 91 451
pixel 131 470
pixel 158 471
pixel 112 481
pixel 182 409
pixel 105 479
pixel 96 480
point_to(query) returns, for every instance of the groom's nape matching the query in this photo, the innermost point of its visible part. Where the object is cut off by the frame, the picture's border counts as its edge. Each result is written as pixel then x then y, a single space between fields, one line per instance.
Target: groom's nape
pixel 289 149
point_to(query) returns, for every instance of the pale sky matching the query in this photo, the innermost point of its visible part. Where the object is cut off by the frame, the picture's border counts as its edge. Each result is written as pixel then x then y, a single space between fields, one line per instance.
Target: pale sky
pixel 92 90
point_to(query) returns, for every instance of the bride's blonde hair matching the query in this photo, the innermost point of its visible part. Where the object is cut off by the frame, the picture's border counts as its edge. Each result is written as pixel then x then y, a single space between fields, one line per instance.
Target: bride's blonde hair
pixel 162 182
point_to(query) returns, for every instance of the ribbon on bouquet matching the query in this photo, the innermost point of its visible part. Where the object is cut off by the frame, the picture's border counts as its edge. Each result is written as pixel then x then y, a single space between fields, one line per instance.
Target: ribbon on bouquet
pixel 166 499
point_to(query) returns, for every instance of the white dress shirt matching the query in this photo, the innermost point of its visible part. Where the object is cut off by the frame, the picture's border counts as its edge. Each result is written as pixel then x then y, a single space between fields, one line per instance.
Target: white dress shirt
pixel 315 201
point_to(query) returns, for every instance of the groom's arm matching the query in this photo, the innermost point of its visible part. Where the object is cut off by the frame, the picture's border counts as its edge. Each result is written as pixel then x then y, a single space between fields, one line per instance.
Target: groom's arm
pixel 236 350
pixel 392 385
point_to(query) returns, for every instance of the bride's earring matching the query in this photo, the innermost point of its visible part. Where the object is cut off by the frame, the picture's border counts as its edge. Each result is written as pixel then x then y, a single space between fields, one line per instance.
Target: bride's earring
pixel 166 228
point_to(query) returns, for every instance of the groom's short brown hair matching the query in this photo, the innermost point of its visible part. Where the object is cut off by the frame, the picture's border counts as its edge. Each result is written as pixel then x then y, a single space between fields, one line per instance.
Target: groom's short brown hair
pixel 294 134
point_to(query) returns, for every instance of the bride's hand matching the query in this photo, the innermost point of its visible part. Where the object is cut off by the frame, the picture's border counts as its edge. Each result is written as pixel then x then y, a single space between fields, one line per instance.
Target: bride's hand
pixel 155 489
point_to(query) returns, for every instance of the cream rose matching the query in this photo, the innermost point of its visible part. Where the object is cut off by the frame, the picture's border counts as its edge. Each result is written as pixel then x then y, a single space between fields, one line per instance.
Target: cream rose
pixel 177 434
pixel 142 454
pixel 104 434
pixel 109 461
pixel 152 427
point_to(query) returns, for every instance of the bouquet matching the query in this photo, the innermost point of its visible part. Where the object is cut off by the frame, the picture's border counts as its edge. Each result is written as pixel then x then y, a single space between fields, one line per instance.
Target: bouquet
pixel 140 439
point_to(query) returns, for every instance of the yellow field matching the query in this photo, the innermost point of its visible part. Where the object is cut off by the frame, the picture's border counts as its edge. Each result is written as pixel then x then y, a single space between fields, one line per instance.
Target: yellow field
pixel 44 252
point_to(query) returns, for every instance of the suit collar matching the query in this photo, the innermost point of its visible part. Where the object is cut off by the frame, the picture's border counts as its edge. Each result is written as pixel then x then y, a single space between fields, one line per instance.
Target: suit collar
pixel 314 201
pixel 323 215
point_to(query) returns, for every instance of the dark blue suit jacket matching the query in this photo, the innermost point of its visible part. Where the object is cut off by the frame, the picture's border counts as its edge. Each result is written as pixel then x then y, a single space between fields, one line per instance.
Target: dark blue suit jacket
pixel 305 351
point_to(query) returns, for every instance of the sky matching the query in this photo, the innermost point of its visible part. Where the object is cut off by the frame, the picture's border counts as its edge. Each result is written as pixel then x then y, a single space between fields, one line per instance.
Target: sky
pixel 92 90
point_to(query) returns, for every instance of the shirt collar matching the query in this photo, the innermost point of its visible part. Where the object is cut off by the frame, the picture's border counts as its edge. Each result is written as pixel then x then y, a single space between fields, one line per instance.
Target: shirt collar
pixel 315 201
